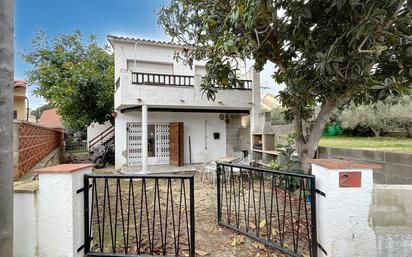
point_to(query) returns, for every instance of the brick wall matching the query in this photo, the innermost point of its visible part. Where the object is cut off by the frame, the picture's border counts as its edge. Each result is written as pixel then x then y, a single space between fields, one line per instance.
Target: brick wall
pixel 32 143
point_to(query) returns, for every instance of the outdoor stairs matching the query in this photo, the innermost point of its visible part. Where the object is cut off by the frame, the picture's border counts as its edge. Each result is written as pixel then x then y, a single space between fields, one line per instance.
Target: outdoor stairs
pixel 102 138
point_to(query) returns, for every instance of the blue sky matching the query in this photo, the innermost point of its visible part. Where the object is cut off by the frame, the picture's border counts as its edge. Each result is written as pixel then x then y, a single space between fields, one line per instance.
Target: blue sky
pixel 123 17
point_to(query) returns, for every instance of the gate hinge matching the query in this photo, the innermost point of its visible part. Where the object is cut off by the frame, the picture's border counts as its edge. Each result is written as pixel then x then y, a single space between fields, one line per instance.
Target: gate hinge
pixel 320 192
pixel 78 191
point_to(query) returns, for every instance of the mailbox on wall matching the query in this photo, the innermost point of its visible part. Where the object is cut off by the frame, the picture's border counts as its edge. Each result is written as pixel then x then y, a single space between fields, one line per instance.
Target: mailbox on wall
pixel 350 179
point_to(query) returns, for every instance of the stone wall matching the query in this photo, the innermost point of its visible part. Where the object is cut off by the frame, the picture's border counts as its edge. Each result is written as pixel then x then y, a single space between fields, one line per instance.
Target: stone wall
pixel 391 218
pixel 237 136
pixel 31 144
pixel 397 167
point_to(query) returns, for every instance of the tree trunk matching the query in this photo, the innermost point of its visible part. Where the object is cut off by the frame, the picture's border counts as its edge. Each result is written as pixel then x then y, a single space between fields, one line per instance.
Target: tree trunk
pixel 377 132
pixel 6 126
pixel 307 145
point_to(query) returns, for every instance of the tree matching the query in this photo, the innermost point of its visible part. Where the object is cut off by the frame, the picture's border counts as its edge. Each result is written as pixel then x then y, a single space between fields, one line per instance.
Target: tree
pixel 74 75
pixel 327 52
pixel 380 116
pixel 6 126
pixel 37 112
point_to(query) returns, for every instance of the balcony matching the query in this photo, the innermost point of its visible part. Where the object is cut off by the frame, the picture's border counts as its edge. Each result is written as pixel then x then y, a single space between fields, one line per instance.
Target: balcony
pixel 177 92
pixel 140 78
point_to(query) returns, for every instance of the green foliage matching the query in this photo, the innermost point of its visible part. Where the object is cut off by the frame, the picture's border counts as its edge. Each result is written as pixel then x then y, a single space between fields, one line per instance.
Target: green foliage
pixel 37 112
pixel 288 163
pixel 333 129
pixel 380 116
pixel 74 75
pixel 324 49
pixel 277 116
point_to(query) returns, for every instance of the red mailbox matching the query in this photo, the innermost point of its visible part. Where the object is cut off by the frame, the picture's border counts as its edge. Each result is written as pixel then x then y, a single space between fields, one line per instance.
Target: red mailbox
pixel 350 179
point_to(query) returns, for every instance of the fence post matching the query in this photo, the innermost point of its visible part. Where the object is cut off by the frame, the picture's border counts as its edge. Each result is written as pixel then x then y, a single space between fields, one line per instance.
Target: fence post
pixel 219 210
pixel 342 207
pixel 192 217
pixel 61 220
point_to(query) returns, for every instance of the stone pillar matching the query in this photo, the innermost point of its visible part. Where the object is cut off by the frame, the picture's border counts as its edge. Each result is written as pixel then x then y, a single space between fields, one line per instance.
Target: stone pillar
pixel 343 212
pixel 144 139
pixel 61 210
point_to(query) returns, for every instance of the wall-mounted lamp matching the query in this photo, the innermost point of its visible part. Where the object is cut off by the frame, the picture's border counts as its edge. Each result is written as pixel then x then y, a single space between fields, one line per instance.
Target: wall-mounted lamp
pixel 139 99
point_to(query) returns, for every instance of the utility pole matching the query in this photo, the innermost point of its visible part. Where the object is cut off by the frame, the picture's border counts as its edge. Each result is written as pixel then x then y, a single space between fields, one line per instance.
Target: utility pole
pixel 6 126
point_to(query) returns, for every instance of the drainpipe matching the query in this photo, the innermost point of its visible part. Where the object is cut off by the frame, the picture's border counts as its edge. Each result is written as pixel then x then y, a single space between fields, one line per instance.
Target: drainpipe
pixel 144 139
pixel 27 109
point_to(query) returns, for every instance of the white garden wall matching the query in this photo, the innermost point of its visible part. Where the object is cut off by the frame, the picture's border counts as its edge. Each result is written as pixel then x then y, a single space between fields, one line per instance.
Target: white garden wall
pixel 204 146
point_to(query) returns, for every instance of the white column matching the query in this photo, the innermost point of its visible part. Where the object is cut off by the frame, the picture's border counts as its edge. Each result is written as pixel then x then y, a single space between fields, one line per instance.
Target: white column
pixel 254 114
pixel 144 139
pixel 61 210
pixel 343 212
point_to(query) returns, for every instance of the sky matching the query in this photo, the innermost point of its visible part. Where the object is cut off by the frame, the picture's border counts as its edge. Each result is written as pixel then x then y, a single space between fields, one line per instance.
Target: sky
pixel 135 18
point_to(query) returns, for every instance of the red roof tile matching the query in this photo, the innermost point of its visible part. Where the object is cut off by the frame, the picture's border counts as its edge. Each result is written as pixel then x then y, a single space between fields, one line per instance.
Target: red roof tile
pixel 51 118
pixel 20 83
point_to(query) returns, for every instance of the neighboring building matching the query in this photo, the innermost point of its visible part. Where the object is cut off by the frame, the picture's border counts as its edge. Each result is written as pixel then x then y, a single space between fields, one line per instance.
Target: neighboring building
pixel 159 100
pixel 270 102
pixel 51 118
pixel 20 108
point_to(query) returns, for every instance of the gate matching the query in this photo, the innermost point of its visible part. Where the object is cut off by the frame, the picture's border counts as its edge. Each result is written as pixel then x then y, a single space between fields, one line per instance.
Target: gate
pixel 272 207
pixel 139 215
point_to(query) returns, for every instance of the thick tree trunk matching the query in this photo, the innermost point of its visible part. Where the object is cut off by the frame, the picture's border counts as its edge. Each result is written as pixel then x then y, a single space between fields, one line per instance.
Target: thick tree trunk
pixel 6 127
pixel 307 145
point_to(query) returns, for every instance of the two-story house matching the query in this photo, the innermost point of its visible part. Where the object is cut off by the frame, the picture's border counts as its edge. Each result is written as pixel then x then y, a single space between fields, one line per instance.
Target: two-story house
pixel 159 101
pixel 20 110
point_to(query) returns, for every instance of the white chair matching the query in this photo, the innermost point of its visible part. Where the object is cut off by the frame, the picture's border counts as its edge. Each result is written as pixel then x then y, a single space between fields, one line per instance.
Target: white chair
pixel 209 170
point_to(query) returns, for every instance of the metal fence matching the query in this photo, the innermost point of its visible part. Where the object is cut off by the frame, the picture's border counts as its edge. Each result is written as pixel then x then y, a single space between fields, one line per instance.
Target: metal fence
pixel 139 215
pixel 76 148
pixel 273 207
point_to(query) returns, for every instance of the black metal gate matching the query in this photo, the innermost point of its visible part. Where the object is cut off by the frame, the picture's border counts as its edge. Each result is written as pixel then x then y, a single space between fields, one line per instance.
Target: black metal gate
pixel 139 215
pixel 273 207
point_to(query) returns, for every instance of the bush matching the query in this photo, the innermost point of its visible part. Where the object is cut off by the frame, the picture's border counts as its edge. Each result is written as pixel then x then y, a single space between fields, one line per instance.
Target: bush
pixel 333 129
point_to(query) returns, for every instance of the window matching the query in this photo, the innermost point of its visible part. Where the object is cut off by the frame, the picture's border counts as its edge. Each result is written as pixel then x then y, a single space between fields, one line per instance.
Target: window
pixel 15 115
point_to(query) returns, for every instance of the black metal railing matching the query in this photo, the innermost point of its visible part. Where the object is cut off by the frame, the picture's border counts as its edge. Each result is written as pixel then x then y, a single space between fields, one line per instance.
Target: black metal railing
pixel 242 84
pixel 139 215
pixel 273 207
pixel 161 79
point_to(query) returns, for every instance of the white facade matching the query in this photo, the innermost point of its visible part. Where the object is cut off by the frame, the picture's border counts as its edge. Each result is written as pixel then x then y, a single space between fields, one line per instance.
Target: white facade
pixel 148 77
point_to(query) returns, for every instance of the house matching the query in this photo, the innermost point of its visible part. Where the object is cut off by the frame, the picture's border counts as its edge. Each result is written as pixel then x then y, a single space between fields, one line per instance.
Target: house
pixel 51 118
pixel 270 102
pixel 20 110
pixel 159 101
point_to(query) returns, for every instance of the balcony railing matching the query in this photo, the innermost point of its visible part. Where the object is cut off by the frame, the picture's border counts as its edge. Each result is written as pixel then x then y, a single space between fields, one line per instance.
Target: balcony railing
pixel 161 79
pixel 243 85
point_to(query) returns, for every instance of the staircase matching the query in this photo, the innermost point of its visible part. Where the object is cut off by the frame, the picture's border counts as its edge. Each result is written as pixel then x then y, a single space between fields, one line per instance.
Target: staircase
pixel 102 138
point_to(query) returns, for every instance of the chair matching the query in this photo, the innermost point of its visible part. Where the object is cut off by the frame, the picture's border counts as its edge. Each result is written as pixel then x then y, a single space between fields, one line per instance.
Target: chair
pixel 209 170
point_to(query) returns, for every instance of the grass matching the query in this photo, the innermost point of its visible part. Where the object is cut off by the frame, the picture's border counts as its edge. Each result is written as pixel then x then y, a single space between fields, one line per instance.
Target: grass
pixel 393 144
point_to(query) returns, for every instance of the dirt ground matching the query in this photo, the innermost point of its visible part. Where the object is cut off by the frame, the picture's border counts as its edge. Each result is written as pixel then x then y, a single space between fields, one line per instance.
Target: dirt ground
pixel 211 239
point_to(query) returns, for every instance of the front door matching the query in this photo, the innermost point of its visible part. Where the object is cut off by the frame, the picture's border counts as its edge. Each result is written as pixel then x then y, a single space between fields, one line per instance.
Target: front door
pixel 176 143
pixel 157 143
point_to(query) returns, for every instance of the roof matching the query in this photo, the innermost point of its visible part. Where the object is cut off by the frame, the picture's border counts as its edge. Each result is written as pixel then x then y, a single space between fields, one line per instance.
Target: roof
pixel 142 41
pixel 51 118
pixel 270 101
pixel 20 83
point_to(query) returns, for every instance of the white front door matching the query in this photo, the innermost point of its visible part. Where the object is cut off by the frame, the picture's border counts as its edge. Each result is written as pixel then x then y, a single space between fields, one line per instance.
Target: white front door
pixel 157 143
